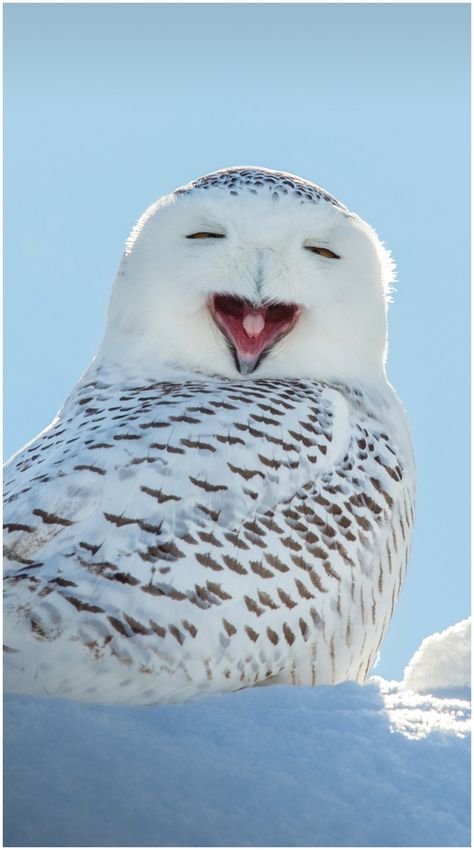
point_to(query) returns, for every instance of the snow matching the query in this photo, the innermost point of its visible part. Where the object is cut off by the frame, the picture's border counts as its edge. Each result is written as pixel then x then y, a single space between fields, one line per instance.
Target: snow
pixel 350 765
pixel 442 663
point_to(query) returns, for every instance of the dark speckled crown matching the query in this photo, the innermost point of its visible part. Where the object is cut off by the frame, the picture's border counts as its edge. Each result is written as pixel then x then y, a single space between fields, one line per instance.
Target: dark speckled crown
pixel 238 180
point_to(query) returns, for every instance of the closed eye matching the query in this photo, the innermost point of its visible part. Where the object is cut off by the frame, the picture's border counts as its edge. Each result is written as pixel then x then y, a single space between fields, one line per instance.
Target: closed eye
pixel 323 252
pixel 205 235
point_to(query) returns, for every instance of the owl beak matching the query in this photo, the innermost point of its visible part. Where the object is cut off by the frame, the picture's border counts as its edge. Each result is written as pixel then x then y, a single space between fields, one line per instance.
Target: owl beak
pixel 246 365
pixel 250 330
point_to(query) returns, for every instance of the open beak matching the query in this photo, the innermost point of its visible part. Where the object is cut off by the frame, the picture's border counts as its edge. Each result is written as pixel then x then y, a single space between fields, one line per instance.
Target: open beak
pixel 252 331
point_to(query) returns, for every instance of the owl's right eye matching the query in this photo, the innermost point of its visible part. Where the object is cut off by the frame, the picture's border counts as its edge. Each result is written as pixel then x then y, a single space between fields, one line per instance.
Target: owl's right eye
pixel 205 235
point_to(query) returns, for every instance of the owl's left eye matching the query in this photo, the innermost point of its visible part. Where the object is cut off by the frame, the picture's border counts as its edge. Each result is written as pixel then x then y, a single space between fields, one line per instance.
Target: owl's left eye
pixel 323 252
pixel 205 235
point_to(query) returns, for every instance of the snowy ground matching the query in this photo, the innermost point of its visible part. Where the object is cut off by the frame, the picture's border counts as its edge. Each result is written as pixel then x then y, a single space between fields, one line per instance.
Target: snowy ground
pixel 374 765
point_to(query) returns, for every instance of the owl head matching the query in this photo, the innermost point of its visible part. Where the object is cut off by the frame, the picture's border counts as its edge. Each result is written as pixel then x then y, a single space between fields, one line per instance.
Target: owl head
pixel 249 272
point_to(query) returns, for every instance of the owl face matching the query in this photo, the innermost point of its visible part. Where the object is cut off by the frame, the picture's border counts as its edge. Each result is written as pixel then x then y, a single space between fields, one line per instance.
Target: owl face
pixel 251 281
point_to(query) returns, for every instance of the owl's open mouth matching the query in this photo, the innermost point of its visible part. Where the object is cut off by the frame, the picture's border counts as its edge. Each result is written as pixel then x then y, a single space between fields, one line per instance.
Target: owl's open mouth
pixel 252 331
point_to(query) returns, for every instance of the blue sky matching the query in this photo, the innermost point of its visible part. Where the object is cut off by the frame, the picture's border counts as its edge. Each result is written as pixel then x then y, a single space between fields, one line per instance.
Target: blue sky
pixel 109 106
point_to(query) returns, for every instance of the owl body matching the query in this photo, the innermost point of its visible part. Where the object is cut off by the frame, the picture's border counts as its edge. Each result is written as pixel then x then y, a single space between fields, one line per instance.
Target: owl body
pixel 172 539
pixel 178 531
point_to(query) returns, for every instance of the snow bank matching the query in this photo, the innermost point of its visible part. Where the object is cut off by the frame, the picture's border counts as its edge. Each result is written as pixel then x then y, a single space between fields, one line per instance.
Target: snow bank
pixel 350 765
pixel 443 662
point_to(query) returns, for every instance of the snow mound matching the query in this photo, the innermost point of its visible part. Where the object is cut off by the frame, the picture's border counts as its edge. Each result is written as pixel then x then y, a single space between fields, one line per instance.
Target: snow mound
pixel 349 765
pixel 442 663
pixel 416 715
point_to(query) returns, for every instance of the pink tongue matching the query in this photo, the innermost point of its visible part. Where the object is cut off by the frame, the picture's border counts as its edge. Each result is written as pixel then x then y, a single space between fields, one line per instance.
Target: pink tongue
pixel 254 324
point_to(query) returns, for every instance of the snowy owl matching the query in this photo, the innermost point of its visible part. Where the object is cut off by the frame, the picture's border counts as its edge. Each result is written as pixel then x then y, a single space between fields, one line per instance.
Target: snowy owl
pixel 226 497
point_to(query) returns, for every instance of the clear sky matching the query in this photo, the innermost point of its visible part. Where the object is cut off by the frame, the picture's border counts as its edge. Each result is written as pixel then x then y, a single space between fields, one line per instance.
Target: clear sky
pixel 107 107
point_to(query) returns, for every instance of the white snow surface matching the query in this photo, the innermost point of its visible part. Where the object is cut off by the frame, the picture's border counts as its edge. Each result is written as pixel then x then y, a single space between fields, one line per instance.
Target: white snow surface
pixel 346 765
pixel 442 663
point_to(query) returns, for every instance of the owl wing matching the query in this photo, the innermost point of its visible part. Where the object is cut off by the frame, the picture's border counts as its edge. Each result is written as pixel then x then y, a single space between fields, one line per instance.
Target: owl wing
pixel 103 474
